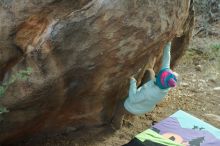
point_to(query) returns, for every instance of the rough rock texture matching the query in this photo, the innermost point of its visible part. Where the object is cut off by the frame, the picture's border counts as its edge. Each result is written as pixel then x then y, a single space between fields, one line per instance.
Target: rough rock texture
pixel 82 54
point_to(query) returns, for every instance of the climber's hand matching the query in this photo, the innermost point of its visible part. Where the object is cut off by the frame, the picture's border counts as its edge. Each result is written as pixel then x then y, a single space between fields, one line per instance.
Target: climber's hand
pixel 168 45
pixel 132 78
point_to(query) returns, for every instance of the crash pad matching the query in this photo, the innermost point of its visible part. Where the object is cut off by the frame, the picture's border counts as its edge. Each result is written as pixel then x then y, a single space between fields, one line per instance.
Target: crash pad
pixel 179 129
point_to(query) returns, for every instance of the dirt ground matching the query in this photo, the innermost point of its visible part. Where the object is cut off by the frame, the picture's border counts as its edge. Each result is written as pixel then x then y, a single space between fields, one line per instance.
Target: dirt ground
pixel 198 94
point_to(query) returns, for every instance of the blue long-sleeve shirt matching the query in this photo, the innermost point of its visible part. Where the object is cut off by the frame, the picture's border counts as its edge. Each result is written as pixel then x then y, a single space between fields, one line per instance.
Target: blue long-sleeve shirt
pixel 143 99
pixel 166 56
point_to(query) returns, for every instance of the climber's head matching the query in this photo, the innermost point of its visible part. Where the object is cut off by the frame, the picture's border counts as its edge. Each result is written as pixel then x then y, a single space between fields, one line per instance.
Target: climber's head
pixel 166 78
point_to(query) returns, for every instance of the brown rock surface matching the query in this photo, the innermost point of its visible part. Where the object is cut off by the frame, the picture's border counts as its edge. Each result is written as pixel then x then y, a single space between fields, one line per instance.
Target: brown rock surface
pixel 82 54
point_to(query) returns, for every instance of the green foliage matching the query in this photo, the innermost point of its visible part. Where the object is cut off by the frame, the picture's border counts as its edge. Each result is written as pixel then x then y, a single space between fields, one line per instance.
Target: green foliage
pixel 3 110
pixel 21 75
pixel 215 47
pixel 2 91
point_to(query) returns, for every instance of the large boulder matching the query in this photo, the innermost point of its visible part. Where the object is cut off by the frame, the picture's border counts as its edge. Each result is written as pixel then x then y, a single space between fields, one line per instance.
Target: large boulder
pixel 82 54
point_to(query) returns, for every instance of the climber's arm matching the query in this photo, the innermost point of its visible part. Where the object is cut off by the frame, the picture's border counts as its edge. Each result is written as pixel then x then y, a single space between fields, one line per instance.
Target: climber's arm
pixel 133 87
pixel 166 56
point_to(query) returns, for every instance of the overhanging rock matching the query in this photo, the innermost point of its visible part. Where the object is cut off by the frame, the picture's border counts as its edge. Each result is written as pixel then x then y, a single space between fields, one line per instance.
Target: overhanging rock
pixel 82 54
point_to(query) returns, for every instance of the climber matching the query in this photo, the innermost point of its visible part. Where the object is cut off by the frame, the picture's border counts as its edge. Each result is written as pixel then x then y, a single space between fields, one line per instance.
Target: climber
pixel 143 99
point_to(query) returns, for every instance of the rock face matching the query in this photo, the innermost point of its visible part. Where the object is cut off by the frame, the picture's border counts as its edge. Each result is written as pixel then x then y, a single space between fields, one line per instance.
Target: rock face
pixel 82 54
